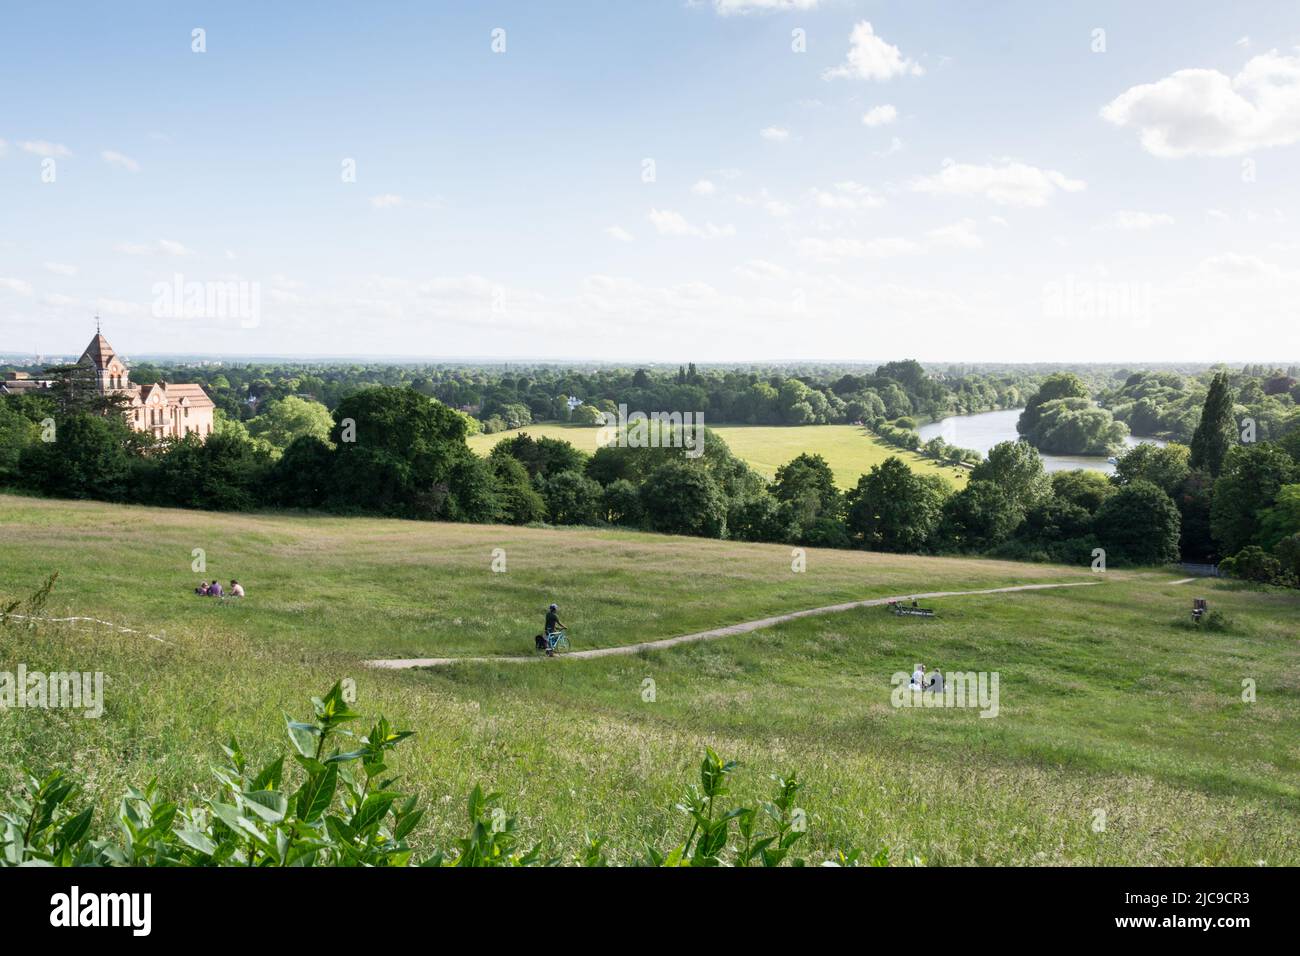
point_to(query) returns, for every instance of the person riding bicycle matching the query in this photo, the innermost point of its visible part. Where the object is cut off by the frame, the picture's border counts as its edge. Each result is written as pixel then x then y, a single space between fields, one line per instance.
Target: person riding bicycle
pixel 553 626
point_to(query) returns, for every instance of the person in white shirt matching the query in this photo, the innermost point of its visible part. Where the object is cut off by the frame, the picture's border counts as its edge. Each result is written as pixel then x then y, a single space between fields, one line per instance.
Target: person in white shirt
pixel 236 589
pixel 918 678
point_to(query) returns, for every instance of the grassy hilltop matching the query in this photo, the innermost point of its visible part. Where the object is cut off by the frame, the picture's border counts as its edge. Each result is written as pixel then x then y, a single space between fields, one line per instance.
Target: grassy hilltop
pixel 1107 701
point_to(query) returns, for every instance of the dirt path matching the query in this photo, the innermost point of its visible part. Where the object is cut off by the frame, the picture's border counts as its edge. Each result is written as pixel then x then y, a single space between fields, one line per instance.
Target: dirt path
pixel 728 631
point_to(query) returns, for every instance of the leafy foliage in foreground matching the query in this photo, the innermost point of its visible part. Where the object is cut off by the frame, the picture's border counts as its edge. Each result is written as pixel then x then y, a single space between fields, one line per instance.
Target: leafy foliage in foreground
pixel 342 810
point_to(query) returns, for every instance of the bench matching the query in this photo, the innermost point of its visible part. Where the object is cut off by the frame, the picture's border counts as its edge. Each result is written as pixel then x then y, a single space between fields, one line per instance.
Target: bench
pixel 911 610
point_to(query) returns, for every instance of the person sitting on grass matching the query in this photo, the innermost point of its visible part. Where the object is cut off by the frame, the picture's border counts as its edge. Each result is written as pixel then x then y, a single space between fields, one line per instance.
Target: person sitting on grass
pixel 215 589
pixel 553 626
pixel 236 589
pixel 936 682
pixel 202 589
pixel 918 678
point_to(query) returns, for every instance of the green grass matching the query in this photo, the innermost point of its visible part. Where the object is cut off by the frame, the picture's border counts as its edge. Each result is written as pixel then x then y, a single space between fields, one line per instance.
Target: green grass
pixel 848 449
pixel 1107 702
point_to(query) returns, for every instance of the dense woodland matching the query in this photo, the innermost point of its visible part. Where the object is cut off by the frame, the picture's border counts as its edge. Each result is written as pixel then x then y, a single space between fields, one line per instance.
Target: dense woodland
pixel 502 397
pixel 1229 490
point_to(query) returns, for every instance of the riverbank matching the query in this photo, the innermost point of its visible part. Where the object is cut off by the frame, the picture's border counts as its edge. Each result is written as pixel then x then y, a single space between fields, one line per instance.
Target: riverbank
pixel 984 430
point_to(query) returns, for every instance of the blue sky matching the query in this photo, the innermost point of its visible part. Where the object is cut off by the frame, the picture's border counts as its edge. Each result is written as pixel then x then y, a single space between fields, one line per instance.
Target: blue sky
pixel 729 180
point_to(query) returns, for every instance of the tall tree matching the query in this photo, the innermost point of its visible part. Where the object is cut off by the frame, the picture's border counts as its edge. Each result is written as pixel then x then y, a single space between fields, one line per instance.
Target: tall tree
pixel 1215 433
pixel 1139 524
pixel 1056 386
pixel 1016 467
pixel 895 509
pixel 1252 477
pixel 75 391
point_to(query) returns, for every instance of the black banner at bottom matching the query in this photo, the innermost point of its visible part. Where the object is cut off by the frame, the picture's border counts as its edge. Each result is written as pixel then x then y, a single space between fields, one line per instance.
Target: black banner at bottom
pixel 137 905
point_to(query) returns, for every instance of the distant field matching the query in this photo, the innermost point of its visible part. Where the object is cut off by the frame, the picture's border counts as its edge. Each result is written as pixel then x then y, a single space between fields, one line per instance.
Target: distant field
pixel 1108 701
pixel 848 449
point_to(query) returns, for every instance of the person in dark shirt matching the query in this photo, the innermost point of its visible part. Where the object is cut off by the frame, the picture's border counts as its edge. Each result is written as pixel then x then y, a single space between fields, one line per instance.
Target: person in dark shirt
pixel 552 625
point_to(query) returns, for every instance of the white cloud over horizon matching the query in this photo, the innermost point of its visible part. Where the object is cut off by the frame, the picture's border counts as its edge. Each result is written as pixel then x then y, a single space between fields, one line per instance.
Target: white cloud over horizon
pixel 870 57
pixel 880 115
pixel 45 149
pixel 1007 183
pixel 1202 112
pixel 667 222
pixel 114 158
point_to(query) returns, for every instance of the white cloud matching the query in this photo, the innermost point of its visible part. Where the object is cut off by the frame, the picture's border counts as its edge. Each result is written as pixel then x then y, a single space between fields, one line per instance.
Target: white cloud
pixel 729 8
pixel 41 147
pixel 1243 41
pixel 880 115
pixel 58 300
pixel 847 195
pixel 775 207
pixel 17 286
pixel 117 307
pixel 961 233
pixel 1207 113
pixel 1010 184
pixel 761 270
pixel 114 158
pixel 61 268
pixel 775 134
pixel 704 187
pixel 387 201
pixel 1130 219
pixel 167 247
pixel 895 145
pixel 871 58
pixel 670 223
pixel 1233 266
pixel 838 249
pixel 619 233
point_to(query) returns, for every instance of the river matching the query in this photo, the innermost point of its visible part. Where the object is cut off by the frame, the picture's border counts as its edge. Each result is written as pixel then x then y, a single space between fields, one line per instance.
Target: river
pixel 981 432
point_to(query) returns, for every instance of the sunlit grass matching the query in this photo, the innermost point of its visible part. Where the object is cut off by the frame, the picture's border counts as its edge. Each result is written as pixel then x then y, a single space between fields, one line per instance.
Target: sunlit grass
pixel 850 450
pixel 1106 702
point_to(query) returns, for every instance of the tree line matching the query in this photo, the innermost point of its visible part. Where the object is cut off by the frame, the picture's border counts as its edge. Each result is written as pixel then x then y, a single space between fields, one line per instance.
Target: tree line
pixel 394 451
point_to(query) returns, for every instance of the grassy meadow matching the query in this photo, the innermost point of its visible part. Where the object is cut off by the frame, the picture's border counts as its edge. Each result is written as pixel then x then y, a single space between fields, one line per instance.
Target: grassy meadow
pixel 1108 701
pixel 849 449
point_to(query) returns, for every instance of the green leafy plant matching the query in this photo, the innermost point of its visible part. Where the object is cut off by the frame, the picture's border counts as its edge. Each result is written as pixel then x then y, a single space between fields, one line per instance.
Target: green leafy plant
pixel 31 606
pixel 335 804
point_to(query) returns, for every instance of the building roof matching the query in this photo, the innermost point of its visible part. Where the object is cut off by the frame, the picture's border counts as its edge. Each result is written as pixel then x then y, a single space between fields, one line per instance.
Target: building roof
pixel 98 351
pixel 16 386
pixel 174 393
pixel 101 354
pixel 195 394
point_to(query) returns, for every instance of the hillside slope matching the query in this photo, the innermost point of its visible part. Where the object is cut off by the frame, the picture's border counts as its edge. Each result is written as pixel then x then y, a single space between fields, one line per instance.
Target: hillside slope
pixel 1121 736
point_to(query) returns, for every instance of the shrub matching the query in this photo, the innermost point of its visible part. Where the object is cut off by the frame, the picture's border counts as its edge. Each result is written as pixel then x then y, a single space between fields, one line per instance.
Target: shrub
pixel 1252 563
pixel 341 809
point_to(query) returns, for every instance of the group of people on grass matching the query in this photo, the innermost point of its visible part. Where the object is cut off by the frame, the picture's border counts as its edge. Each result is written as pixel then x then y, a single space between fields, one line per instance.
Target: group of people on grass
pixel 919 682
pixel 215 590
